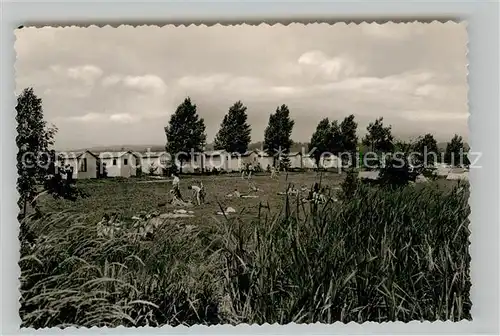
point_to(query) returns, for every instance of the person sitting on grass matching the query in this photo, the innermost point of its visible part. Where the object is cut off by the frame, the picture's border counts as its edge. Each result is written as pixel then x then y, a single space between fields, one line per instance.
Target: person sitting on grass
pixel 198 193
pixel 236 193
pixel 253 187
pixel 315 195
pixel 290 191
pixel 178 202
pixel 320 197
pixel 315 198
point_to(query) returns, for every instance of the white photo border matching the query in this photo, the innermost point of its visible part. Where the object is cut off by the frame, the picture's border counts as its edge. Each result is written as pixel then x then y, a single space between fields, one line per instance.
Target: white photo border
pixel 483 79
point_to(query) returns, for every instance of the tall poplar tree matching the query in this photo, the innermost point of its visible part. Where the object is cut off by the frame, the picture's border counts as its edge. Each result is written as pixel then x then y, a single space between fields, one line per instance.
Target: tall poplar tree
pixel 277 141
pixel 33 141
pixel 185 132
pixel 234 132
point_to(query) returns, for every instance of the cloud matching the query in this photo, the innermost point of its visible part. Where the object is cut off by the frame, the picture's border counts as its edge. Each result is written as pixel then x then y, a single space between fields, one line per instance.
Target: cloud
pixel 93 117
pixel 332 68
pixel 125 118
pixel 32 39
pixel 111 80
pixel 441 91
pixel 401 88
pixel 408 82
pixel 240 86
pixel 88 74
pixel 207 82
pixel 248 84
pixel 146 83
pixel 286 90
pixel 89 117
pixel 429 116
pixel 70 92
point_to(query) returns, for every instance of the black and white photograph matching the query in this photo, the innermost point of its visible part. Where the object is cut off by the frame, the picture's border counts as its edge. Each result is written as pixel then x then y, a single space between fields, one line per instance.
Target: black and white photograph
pixel 243 174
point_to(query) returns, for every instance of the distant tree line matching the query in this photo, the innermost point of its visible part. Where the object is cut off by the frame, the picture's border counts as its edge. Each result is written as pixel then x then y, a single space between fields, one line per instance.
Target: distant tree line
pixel 186 133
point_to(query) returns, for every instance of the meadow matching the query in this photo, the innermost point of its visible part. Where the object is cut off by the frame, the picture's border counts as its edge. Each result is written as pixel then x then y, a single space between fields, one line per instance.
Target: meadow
pixel 382 255
pixel 131 196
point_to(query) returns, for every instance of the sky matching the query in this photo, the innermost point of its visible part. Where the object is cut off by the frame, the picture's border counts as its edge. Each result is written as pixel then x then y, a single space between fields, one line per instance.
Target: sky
pixel 119 86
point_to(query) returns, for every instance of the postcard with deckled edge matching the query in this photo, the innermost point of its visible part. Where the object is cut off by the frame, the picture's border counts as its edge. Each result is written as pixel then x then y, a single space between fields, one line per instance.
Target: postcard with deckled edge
pixel 209 175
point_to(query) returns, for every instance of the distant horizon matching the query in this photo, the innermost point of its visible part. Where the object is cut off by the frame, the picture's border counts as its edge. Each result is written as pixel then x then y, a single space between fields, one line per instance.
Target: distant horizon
pixel 397 136
pixel 118 147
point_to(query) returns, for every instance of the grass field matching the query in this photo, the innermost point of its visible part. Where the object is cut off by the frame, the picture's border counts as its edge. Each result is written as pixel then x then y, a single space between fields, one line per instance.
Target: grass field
pixel 383 255
pixel 130 196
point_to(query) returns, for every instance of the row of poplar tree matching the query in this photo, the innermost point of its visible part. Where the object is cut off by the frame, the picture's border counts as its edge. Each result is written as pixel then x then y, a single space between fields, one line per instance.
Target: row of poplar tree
pixel 186 132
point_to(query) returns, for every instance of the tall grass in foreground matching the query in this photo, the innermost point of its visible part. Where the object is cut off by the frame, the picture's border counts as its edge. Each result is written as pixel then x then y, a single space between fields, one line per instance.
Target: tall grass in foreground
pixel 74 277
pixel 380 256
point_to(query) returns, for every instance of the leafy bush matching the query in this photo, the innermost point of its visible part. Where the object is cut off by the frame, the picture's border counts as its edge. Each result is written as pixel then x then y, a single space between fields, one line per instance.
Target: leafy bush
pixel 350 185
pixel 396 172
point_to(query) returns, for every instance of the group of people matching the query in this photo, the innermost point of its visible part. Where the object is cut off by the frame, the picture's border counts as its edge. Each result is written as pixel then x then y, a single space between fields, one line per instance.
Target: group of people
pixel 198 193
pixel 315 194
pixel 247 170
pixel 249 194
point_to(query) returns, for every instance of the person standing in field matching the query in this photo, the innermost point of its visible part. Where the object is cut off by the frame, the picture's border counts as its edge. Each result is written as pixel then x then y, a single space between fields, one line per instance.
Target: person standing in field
pixel 273 172
pixel 175 186
pixel 175 182
pixel 243 168
pixel 249 170
pixel 198 193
